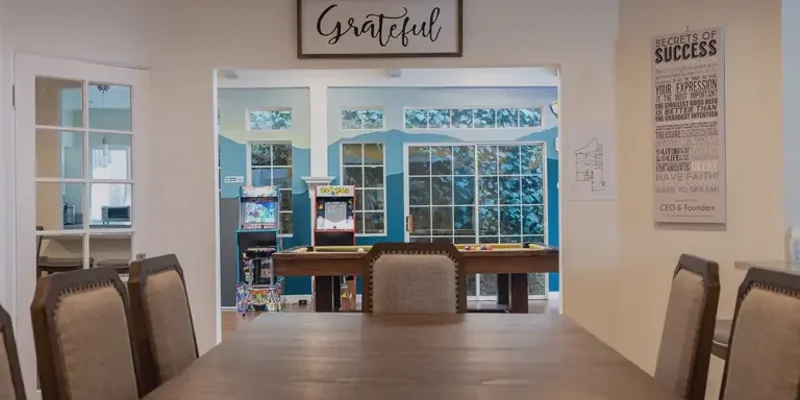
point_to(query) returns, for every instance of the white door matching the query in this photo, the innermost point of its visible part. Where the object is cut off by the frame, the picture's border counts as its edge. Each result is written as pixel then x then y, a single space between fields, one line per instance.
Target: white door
pixel 80 142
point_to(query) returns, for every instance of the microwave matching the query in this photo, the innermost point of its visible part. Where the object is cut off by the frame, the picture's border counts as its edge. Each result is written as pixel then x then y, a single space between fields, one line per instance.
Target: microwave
pixel 116 214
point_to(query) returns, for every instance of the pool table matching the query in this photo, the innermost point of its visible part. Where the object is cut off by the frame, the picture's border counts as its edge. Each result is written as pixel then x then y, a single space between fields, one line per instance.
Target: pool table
pixel 511 263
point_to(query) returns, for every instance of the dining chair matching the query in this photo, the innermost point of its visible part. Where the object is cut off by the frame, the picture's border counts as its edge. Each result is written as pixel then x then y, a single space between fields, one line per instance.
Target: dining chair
pixel 685 351
pixel 414 278
pixel 54 265
pixel 11 387
pixel 162 319
pixel 83 344
pixel 764 351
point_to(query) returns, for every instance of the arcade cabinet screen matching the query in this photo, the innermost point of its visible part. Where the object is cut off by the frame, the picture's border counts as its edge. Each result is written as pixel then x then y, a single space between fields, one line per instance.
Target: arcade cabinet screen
pixel 260 213
pixel 336 212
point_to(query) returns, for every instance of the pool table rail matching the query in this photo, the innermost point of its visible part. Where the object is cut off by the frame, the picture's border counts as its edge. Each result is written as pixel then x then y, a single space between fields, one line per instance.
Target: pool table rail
pixel 292 262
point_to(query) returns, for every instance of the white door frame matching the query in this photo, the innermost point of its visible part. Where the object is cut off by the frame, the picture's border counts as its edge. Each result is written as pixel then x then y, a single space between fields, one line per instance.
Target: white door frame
pixel 7 215
pixel 27 67
pixel 406 200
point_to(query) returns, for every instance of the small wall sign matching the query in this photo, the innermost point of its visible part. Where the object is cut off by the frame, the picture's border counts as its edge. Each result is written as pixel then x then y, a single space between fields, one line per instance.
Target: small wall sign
pixel 233 179
pixel 379 28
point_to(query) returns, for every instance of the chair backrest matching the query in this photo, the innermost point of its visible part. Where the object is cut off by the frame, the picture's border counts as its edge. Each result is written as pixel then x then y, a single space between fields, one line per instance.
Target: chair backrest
pixel 11 386
pixel 685 351
pixel 764 351
pixel 414 278
pixel 81 329
pixel 162 319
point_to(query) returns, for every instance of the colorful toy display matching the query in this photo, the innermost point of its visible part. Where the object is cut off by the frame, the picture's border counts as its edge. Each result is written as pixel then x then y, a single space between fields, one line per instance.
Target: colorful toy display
pixel 258 289
pixel 478 247
pixel 334 225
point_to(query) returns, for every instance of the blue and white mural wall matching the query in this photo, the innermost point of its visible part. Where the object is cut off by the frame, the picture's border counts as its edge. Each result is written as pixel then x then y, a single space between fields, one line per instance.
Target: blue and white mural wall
pixel 482 162
pixel 275 122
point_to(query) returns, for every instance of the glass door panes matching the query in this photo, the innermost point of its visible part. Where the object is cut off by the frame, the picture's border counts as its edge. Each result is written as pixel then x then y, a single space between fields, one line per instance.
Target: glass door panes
pixel 478 193
pixel 84 171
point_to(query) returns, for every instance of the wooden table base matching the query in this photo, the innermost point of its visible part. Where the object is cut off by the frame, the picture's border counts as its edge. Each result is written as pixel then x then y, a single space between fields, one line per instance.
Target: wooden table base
pixel 512 293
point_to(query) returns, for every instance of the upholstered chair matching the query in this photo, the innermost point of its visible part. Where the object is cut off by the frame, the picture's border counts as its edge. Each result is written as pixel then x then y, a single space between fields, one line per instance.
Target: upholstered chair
pixel 81 331
pixel 162 319
pixel 11 387
pixel 414 278
pixel 685 351
pixel 764 350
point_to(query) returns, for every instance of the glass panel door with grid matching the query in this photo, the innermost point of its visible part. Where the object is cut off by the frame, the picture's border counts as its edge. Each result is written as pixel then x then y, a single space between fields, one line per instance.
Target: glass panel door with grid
pixel 80 142
pixel 478 193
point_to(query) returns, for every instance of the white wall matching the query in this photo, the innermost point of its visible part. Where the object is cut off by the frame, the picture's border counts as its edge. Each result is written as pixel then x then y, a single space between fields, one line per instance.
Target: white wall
pixel 184 40
pixel 755 208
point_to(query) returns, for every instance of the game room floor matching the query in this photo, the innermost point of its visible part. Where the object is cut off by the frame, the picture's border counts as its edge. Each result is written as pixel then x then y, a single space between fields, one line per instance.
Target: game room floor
pixel 232 321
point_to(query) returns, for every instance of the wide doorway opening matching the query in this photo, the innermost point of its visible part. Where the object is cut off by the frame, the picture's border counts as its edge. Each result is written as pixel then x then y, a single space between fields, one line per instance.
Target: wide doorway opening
pixel 466 156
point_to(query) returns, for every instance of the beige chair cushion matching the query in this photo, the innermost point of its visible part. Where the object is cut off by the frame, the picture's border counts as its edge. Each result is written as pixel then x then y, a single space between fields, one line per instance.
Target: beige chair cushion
pixel 414 284
pixel 764 357
pixel 6 383
pixel 92 333
pixel 676 355
pixel 170 323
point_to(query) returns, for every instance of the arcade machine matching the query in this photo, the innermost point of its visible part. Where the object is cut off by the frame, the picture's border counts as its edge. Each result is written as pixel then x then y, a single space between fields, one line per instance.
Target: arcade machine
pixel 334 225
pixel 257 239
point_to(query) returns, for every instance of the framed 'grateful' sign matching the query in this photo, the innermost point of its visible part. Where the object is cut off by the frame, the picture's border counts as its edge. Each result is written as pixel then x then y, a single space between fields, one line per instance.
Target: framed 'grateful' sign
pixel 379 28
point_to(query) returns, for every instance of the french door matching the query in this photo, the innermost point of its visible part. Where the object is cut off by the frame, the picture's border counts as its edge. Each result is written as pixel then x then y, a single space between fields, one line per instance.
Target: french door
pixel 81 178
pixel 475 194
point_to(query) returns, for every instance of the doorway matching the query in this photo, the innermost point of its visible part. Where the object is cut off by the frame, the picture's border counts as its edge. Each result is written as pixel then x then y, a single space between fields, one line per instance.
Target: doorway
pixel 81 174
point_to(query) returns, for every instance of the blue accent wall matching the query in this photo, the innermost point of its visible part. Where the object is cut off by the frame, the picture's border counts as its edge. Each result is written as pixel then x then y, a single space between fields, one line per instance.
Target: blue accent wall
pixel 232 162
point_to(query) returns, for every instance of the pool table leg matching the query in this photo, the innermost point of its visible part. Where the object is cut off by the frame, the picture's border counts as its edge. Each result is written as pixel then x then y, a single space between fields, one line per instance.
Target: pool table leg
pixel 337 293
pixel 519 293
pixel 503 281
pixel 323 294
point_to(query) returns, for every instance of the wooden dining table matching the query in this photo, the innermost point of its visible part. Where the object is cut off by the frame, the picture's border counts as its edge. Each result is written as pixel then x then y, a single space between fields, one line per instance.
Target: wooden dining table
pixel 355 356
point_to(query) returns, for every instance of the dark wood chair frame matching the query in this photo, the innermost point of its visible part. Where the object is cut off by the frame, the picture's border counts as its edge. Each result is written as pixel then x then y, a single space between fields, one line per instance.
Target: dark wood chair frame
pixel 43 268
pixel 140 271
pixel 772 280
pixel 11 352
pixel 709 271
pixel 447 249
pixel 45 302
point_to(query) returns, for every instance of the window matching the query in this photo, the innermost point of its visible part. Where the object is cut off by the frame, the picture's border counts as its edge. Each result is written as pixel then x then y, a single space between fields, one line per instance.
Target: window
pixel 479 193
pixel 363 166
pixel 271 165
pixel 272 119
pixel 472 118
pixel 109 163
pixel 362 118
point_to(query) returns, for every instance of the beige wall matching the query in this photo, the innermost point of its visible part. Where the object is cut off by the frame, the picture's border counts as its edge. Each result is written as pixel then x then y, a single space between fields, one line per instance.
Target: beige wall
pixel 754 170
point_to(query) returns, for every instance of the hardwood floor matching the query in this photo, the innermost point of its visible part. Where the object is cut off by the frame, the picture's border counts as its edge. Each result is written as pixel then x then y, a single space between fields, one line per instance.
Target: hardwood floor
pixel 233 321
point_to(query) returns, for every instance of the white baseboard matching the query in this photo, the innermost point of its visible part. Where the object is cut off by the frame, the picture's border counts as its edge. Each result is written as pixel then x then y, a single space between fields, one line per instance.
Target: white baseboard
pixel 553 295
